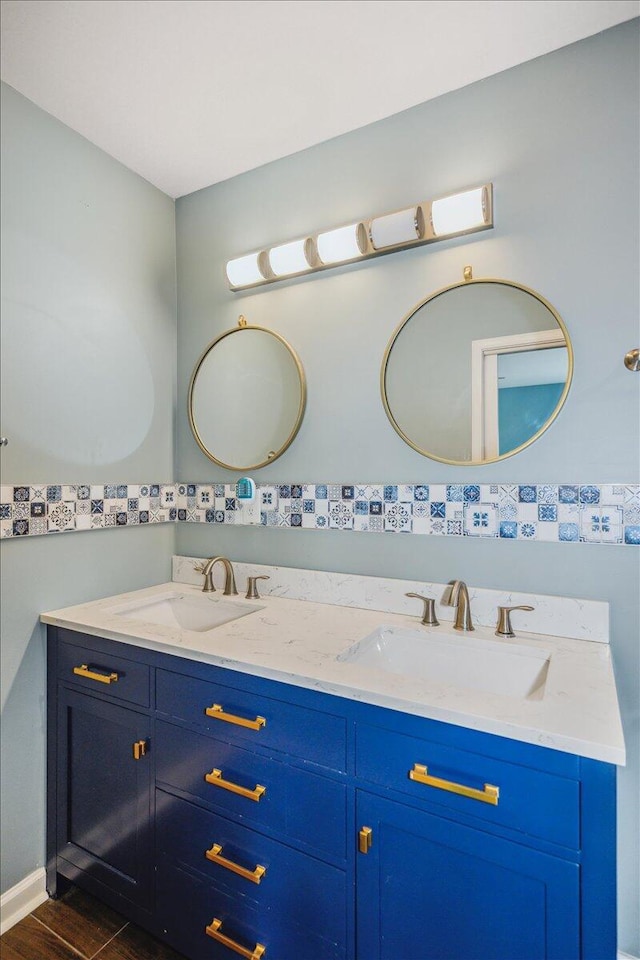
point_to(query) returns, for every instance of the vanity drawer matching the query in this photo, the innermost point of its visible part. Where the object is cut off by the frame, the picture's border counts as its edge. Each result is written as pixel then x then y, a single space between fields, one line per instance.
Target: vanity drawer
pixel 251 866
pixel 251 719
pixel 187 906
pixel 103 673
pixel 529 801
pixel 252 789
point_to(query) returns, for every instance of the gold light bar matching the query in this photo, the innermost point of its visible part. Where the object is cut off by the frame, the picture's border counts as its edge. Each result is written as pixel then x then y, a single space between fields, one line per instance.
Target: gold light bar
pixel 452 216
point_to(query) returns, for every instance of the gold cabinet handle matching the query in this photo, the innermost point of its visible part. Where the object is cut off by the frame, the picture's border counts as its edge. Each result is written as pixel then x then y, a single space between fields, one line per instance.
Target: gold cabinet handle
pixel 214 930
pixel 255 876
pixel 365 839
pixel 83 671
pixel 218 713
pixel 139 749
pixel 489 794
pixel 215 778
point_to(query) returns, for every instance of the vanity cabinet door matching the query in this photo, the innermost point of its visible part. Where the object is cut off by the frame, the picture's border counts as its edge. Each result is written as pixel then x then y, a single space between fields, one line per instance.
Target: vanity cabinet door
pixel 104 795
pixel 433 889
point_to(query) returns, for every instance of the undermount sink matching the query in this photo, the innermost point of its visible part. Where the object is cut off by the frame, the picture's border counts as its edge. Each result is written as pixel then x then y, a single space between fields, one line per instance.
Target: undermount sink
pixel 457 660
pixel 200 612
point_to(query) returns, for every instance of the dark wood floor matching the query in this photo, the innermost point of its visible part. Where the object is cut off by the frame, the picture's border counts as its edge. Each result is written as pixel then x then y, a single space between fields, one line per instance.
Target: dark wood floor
pixel 78 926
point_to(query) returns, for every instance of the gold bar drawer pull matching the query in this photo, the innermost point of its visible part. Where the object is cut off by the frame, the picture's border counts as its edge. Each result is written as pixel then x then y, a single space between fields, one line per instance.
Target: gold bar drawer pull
pixel 83 671
pixel 215 778
pixel 489 794
pixel 215 930
pixel 255 876
pixel 218 713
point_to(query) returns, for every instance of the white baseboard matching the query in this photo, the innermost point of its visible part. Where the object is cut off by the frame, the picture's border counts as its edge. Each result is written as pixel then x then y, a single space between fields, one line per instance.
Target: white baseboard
pixel 21 899
pixel 626 956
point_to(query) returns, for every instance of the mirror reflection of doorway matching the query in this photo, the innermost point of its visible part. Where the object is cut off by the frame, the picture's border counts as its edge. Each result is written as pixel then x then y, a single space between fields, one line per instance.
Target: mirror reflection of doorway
pixel 530 384
pixel 518 382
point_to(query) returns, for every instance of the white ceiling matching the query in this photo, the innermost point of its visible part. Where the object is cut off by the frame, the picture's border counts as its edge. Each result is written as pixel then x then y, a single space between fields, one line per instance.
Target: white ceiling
pixel 191 92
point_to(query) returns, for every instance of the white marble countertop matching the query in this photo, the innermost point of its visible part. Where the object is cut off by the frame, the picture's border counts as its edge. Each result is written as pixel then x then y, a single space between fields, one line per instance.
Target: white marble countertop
pixel 298 642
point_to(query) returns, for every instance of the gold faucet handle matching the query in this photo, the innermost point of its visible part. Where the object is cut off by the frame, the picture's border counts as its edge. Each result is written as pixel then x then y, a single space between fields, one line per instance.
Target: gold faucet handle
pixel 199 567
pixel 252 590
pixel 429 613
pixel 503 626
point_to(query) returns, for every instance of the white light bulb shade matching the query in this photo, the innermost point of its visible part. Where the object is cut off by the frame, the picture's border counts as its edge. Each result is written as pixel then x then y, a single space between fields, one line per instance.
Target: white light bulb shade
pixel 402 227
pixel 245 270
pixel 345 243
pixel 464 211
pixel 289 258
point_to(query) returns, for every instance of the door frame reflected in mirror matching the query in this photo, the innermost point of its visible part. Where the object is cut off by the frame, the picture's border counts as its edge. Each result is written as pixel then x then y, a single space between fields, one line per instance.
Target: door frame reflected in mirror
pixel 485 439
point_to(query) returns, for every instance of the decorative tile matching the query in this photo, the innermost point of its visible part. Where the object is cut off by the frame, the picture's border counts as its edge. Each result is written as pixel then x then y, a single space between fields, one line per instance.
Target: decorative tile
pixel 547 493
pixel 471 493
pixel 589 495
pixel 398 517
pixel 390 494
pixel 567 494
pixel 601 523
pixel 547 512
pixel 340 515
pixel 480 520
pixel 455 491
pixel 421 492
pixel 508 529
pixel 60 516
pixel 632 535
pixel 527 494
pixel 568 532
pixel 528 531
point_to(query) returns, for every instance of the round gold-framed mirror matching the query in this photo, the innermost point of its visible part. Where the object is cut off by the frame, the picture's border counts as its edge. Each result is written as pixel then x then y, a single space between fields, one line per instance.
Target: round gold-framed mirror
pixel 247 397
pixel 477 371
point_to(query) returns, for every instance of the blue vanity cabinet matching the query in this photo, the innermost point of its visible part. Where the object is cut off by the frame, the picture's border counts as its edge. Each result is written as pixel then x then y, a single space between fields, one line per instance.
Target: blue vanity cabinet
pixel 101 828
pixel 264 815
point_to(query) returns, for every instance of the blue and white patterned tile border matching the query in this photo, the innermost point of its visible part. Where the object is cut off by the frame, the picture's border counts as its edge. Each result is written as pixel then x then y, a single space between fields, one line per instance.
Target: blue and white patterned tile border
pixel 551 513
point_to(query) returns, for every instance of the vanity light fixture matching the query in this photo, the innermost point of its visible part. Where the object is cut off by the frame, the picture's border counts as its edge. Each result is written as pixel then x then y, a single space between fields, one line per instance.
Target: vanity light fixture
pixel 426 222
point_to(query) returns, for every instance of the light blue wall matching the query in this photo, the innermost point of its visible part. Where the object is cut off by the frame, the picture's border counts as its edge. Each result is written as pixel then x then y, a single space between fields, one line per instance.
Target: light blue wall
pixel 88 380
pixel 559 139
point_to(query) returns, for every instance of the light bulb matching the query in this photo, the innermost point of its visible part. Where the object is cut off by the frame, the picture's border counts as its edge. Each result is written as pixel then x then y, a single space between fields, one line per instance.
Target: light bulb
pixel 245 270
pixel 402 227
pixel 463 211
pixel 289 258
pixel 344 243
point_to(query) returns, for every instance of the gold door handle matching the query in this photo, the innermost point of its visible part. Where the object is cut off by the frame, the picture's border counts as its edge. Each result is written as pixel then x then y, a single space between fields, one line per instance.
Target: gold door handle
pixel 218 713
pixel 365 839
pixel 83 671
pixel 139 749
pixel 215 778
pixel 255 876
pixel 214 930
pixel 489 794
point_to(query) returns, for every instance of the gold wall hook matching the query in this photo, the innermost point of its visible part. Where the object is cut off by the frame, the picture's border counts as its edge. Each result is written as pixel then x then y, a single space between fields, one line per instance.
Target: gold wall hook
pixel 467 273
pixel 632 360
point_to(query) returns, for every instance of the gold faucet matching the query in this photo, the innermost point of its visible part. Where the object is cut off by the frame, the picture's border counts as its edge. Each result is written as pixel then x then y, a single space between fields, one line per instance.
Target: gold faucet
pixel 206 568
pixel 459 598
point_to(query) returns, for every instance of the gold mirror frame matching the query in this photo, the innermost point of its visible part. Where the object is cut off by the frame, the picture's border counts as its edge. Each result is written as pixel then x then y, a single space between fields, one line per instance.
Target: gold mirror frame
pixel 273 455
pixel 468 282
